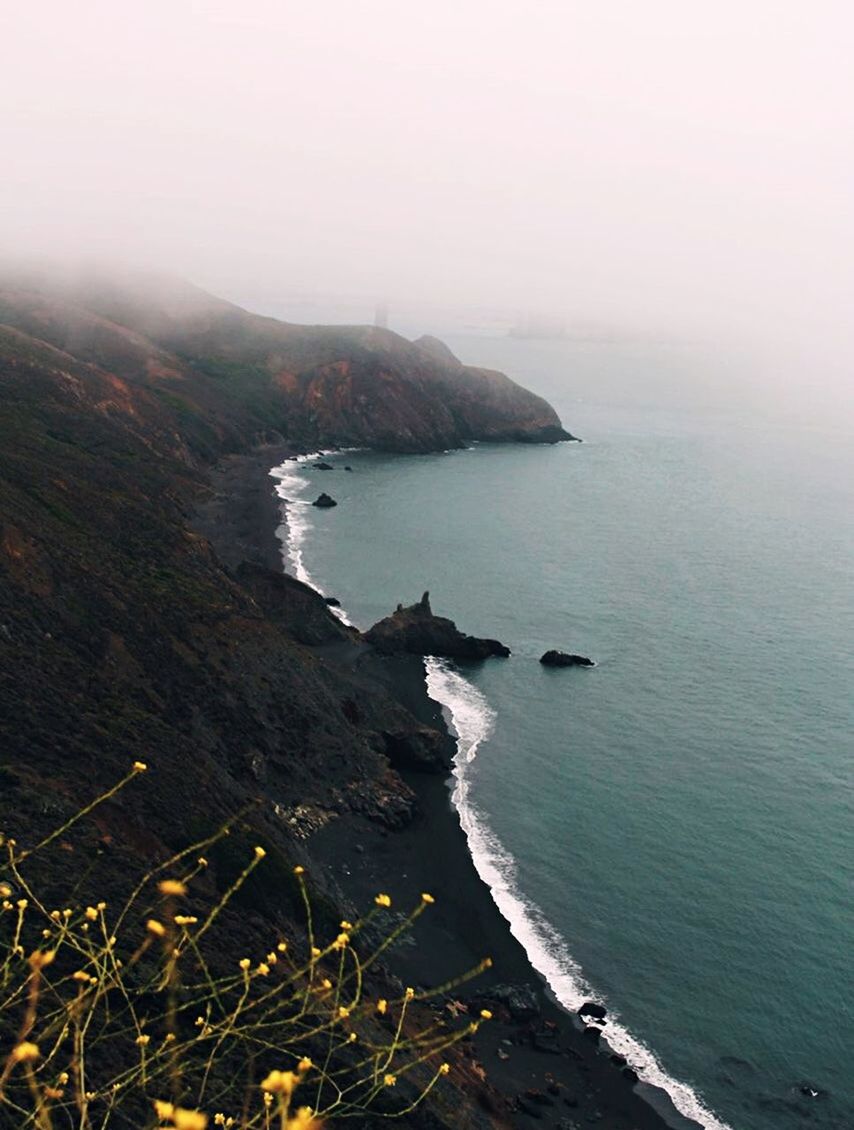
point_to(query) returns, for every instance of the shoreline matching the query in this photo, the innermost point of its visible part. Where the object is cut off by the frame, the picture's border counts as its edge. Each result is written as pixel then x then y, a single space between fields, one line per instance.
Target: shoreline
pixel 569 1076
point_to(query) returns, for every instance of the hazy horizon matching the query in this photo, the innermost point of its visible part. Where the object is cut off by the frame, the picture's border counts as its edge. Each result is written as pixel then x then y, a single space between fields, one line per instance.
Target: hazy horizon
pixel 659 168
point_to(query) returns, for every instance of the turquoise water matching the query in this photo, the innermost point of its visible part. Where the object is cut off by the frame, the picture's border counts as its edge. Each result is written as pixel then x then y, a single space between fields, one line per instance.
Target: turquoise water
pixel 673 829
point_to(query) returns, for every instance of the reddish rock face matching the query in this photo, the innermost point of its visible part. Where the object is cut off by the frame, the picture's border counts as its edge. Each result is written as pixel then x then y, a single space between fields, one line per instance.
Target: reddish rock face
pixel 236 374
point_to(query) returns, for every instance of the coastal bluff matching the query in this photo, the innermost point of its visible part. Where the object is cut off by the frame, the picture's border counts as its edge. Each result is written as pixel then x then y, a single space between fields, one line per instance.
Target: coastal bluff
pixel 134 627
pixel 225 379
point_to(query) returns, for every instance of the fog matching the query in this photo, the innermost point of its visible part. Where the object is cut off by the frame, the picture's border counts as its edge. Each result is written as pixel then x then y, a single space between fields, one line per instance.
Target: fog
pixel 668 167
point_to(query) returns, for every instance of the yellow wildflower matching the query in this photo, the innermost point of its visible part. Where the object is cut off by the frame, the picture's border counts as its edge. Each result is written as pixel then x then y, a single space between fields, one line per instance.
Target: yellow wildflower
pixel 139 767
pixel 409 994
pixel 390 1080
pixel 298 870
pixel 382 1006
pixel 259 852
pixel 91 913
pixel 383 900
pixel 38 959
pixel 444 1068
pixel 155 927
pixel 280 1082
pixel 263 969
pixel 343 1012
pixel 25 1052
pixel 143 1041
pixel 304 1065
pixel 304 1120
pixel 244 963
pixel 189 1119
pixel 428 899
pixel 486 1014
pixel 172 887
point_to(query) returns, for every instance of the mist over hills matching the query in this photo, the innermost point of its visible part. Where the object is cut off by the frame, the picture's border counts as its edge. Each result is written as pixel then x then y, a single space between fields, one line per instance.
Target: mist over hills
pixel 229 373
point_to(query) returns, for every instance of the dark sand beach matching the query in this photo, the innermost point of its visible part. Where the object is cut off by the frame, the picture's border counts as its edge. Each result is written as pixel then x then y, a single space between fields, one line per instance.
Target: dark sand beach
pixel 554 1073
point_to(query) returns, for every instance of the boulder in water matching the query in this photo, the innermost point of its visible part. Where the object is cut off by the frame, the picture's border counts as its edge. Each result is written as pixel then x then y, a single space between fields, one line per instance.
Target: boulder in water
pixel 323 466
pixel 565 659
pixel 324 501
pixel 592 1010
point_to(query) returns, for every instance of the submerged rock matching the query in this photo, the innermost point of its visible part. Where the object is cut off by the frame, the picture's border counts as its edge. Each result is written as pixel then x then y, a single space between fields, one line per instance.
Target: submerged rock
pixel 323 466
pixel 324 500
pixel 417 631
pixel 565 659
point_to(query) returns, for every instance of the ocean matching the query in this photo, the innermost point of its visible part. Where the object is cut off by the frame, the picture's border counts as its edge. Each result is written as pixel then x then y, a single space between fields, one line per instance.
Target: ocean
pixel 671 831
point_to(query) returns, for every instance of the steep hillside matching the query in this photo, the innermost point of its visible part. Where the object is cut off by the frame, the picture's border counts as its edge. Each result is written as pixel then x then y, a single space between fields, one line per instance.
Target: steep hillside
pixel 124 636
pixel 228 374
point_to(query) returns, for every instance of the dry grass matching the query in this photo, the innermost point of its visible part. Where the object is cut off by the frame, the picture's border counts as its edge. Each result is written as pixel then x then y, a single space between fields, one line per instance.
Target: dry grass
pixel 123 1016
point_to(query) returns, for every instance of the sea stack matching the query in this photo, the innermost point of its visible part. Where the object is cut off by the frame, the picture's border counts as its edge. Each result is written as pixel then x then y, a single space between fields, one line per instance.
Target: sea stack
pixel 416 630
pixel 324 501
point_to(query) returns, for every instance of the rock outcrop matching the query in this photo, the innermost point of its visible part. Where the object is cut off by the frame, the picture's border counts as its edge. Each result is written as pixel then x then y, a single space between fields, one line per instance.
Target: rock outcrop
pixel 416 630
pixel 324 501
pixel 590 1010
pixel 565 659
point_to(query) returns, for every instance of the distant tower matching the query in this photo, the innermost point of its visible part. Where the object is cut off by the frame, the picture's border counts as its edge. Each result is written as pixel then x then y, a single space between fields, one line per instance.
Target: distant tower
pixel 381 316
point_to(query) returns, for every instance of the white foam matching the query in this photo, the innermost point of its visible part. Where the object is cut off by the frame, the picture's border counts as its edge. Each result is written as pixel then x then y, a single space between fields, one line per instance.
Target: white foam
pixel 472 720
pixel 297 513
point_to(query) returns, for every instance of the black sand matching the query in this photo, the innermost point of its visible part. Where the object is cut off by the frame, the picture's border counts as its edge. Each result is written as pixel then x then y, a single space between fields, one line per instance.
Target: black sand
pixel 574 1083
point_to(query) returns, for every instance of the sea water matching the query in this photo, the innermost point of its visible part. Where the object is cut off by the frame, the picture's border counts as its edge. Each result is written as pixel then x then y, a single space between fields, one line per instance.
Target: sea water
pixel 672 831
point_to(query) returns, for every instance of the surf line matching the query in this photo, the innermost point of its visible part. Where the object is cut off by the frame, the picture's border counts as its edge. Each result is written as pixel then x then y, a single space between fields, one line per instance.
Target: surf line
pixel 291 483
pixel 472 721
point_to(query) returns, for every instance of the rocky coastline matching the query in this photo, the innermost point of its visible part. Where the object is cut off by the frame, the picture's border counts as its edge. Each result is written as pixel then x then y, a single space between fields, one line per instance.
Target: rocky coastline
pixel 145 614
pixel 546 1067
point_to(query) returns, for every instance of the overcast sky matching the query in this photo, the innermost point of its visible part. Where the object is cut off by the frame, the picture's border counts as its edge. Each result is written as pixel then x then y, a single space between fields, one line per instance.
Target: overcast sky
pixel 680 164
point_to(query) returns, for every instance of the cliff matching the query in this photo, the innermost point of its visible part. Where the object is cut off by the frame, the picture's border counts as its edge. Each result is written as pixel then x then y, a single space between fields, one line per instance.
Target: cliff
pixel 124 636
pixel 227 376
pixel 126 633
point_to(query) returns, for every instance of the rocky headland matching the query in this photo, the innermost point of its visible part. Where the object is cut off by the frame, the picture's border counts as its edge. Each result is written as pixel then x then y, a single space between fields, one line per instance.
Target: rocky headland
pixel 144 615
pixel 417 631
